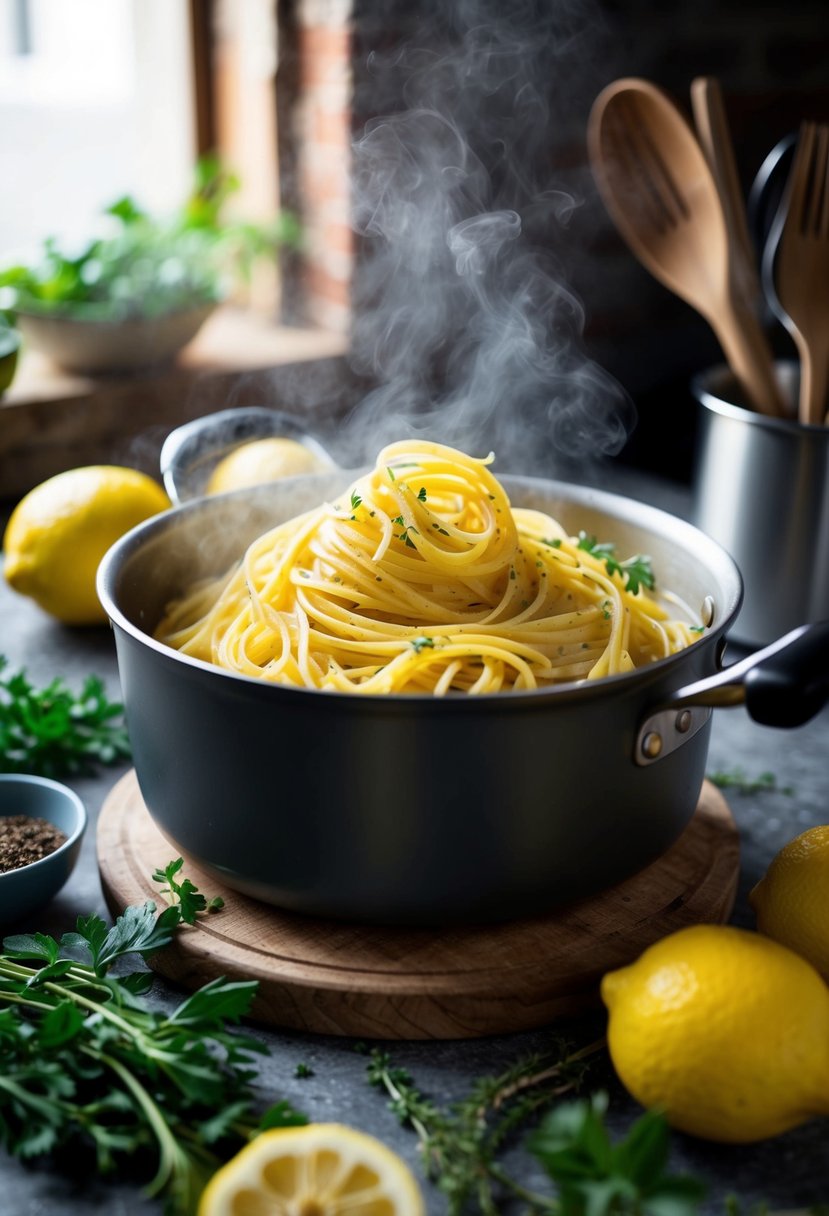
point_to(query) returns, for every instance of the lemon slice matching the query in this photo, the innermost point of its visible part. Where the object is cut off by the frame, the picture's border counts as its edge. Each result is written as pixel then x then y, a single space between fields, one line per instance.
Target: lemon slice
pixel 259 461
pixel 322 1169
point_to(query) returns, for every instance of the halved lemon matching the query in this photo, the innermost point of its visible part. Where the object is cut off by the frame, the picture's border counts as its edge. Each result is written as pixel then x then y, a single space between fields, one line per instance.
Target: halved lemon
pixel 322 1169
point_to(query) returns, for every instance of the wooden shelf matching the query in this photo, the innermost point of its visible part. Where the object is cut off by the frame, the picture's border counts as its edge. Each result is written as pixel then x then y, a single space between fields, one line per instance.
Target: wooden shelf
pixel 51 420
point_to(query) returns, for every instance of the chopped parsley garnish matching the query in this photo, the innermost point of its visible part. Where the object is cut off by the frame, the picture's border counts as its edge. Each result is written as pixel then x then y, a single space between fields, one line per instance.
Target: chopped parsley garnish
pixel 422 643
pixel 422 493
pixel 636 571
pixel 555 543
pixel 391 475
pixel 696 629
pixel 356 500
pixel 404 535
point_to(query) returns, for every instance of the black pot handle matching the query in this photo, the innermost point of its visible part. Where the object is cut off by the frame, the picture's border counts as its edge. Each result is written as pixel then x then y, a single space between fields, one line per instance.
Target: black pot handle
pixel 784 684
pixel 791 685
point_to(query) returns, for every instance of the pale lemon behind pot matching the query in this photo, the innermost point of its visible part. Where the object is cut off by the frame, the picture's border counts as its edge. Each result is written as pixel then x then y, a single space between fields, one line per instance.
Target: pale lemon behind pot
pixel 260 461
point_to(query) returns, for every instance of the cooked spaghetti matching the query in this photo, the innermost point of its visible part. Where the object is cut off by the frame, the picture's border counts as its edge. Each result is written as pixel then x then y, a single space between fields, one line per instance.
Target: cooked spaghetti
pixel 423 579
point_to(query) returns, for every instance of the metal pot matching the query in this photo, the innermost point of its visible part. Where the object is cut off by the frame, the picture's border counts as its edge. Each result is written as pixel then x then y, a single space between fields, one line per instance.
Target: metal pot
pixel 761 489
pixel 421 810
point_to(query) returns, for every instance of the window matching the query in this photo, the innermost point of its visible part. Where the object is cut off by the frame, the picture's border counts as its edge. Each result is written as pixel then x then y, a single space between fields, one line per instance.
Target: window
pixel 95 102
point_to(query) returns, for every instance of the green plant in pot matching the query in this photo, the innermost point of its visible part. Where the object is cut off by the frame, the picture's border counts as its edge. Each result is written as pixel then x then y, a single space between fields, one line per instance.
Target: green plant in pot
pixel 9 347
pixel 137 294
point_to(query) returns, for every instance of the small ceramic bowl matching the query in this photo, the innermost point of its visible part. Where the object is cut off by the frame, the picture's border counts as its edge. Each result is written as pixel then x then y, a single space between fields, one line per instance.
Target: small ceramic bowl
pixel 28 888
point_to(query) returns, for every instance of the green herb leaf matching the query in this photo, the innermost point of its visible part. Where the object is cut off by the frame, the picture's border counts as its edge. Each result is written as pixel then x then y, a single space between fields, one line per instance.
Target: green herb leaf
pixel 32 945
pixel 594 1175
pixel 219 1001
pixel 184 895
pixel 737 779
pixel 281 1114
pixel 635 571
pixel 52 732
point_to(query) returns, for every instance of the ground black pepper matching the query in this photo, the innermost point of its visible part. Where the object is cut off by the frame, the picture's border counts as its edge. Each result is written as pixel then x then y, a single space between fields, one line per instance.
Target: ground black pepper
pixel 24 839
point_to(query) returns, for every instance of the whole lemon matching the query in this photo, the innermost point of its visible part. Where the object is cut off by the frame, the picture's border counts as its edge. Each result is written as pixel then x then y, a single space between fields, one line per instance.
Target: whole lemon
pixel 261 460
pixel 725 1030
pixel 60 530
pixel 791 900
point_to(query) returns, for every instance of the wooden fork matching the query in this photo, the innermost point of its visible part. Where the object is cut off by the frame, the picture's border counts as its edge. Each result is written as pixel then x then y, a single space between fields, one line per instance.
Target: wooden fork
pixel 800 266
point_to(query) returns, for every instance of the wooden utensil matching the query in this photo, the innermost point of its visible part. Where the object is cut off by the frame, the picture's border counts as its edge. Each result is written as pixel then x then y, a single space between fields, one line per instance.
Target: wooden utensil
pixel 658 187
pixel 715 139
pixel 796 267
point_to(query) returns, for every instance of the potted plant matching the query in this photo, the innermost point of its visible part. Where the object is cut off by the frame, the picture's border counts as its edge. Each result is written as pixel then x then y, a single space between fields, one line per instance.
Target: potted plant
pixel 135 295
pixel 9 347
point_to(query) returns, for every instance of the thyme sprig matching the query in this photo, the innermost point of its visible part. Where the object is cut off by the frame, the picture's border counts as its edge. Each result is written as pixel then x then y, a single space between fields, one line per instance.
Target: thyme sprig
pixel 460 1145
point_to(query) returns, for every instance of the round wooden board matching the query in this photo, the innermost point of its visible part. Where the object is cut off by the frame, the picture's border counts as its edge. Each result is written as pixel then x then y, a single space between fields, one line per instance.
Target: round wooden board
pixel 338 978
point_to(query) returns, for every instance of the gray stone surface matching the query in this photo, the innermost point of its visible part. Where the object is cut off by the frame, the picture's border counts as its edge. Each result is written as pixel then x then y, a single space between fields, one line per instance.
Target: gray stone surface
pixel 791 1171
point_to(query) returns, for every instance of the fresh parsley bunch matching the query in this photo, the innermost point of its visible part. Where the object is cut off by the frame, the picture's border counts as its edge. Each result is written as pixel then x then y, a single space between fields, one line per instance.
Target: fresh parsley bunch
pixel 85 1061
pixel 52 732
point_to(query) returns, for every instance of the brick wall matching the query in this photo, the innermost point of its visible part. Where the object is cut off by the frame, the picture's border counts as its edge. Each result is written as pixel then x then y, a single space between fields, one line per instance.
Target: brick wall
pixel 320 129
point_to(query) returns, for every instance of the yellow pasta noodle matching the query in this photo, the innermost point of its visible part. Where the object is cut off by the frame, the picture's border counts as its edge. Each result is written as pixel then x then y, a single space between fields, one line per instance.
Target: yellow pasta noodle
pixel 423 579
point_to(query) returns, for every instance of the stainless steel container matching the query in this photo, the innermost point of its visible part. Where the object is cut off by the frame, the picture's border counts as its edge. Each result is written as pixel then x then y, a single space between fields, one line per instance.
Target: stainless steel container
pixel 761 488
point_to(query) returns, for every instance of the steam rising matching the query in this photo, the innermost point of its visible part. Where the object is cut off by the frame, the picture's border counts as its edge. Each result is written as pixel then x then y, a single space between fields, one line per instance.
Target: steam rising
pixel 463 315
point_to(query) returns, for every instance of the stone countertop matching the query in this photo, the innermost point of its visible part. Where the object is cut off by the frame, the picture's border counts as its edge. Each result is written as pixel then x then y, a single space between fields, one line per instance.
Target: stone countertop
pixel 789 1172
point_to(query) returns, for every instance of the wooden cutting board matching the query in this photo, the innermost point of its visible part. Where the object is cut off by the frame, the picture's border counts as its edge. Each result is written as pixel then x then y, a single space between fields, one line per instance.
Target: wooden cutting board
pixel 338 978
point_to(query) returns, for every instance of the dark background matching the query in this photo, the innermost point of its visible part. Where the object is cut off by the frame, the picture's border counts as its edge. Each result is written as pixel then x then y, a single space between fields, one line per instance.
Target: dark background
pixel 773 64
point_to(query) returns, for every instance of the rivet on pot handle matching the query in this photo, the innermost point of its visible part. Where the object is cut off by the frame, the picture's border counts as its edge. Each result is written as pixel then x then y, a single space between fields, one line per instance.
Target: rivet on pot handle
pixel 784 684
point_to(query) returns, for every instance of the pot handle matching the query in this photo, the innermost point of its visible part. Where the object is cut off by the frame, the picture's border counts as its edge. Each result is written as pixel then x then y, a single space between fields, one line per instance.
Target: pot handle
pixel 784 684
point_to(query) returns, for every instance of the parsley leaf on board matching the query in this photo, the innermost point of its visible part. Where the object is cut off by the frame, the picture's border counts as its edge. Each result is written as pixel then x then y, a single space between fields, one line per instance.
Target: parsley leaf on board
pixel 185 895
pixel 52 732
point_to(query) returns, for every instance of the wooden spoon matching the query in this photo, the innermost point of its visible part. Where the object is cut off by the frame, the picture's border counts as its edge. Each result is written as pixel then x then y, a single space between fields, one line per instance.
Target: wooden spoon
pixel 660 191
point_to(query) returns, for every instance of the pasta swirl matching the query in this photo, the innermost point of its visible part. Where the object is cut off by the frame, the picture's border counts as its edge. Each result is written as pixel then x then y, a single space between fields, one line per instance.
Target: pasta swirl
pixel 422 579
